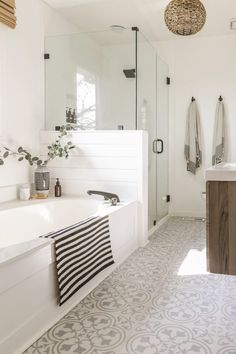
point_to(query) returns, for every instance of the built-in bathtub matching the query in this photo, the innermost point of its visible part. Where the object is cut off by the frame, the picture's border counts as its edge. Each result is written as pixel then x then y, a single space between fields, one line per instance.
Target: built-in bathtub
pixel 28 286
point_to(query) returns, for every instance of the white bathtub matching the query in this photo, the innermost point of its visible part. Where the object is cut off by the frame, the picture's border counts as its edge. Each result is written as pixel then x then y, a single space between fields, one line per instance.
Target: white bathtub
pixel 22 221
pixel 28 287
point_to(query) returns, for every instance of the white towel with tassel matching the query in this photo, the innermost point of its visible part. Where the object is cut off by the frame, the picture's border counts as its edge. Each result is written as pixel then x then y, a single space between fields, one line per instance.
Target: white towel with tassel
pixel 219 153
pixel 192 150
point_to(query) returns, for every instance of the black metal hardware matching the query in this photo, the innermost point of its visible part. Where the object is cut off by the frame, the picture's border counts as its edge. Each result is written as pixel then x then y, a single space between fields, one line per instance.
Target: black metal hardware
pixel 193 99
pixel 57 128
pixel 168 198
pixel 162 146
pixel 130 73
pixel 168 81
pixel 106 195
pixel 136 29
pixel 46 56
pixel 220 98
pixel 154 146
pixel 154 223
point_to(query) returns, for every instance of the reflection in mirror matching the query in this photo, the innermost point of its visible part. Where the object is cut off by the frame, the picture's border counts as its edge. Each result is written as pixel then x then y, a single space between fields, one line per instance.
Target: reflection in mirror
pixel 85 118
pixel 86 84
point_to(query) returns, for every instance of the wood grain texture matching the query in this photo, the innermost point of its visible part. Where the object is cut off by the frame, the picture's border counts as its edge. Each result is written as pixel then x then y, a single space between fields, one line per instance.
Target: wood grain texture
pixel 232 228
pixel 221 227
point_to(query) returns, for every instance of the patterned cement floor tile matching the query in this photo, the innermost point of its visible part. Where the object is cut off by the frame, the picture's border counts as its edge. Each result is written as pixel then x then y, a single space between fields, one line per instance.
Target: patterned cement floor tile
pixel 160 300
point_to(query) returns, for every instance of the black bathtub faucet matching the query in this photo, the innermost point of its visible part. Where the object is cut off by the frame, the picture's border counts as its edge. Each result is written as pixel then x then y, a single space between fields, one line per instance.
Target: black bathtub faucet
pixel 106 195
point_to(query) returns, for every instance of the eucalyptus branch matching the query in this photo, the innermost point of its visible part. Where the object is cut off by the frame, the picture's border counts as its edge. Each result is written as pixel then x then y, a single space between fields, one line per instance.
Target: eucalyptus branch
pixel 56 149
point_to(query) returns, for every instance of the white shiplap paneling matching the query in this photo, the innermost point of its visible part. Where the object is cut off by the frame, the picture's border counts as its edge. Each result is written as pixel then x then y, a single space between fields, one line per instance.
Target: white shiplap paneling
pixel 113 161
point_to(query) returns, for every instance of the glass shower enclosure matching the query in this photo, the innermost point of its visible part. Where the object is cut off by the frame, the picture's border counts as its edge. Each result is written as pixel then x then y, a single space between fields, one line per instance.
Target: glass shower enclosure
pixel 153 116
pixel 108 80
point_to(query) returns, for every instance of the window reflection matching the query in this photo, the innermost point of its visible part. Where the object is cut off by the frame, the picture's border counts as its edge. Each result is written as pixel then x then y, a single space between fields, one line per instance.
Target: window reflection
pixel 86 100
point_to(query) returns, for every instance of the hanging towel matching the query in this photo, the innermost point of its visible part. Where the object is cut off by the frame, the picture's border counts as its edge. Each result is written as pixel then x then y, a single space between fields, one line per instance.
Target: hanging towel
pixel 192 150
pixel 82 251
pixel 219 154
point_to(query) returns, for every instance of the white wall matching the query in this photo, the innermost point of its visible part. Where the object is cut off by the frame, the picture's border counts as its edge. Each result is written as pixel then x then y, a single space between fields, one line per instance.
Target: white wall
pixel 203 68
pixel 22 84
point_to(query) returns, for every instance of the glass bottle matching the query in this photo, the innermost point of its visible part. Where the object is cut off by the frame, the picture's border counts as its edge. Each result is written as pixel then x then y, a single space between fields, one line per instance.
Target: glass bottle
pixel 42 181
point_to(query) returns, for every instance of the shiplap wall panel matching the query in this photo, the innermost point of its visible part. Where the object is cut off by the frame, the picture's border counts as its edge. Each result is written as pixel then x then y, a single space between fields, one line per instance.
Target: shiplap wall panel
pixel 99 150
pixel 101 159
pixel 94 174
pixel 111 161
pixel 8 193
pixel 95 138
pixel 125 190
pixel 98 162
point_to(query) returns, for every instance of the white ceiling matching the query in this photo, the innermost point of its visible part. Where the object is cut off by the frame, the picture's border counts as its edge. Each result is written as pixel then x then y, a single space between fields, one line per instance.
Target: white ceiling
pixel 148 15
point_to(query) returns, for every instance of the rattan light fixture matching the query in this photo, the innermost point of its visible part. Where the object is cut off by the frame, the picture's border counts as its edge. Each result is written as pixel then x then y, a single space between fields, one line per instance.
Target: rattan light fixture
pixel 185 17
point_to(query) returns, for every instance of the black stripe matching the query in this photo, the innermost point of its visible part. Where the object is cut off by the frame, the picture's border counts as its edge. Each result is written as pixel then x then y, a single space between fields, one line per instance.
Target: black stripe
pixel 86 281
pixel 78 234
pixel 81 267
pixel 83 245
pixel 81 229
pixel 77 259
pixel 80 246
pixel 66 246
pixel 62 286
pixel 71 227
pixel 61 264
pixel 72 252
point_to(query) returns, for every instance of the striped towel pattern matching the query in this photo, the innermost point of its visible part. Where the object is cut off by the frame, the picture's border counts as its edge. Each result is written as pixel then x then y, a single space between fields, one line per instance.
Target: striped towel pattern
pixel 82 251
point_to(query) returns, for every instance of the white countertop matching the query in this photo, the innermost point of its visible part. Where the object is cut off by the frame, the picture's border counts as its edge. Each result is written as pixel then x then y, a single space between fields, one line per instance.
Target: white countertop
pixel 225 171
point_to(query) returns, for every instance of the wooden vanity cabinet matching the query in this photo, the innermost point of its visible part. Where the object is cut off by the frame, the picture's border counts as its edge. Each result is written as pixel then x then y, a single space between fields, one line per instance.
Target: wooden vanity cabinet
pixel 221 227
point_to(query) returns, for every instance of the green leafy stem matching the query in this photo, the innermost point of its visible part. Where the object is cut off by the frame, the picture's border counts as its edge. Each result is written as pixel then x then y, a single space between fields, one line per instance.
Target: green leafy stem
pixel 59 148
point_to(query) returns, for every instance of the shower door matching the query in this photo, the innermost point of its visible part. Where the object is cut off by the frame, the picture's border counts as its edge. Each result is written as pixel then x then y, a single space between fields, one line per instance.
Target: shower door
pixel 158 178
pixel 162 143
pixel 153 117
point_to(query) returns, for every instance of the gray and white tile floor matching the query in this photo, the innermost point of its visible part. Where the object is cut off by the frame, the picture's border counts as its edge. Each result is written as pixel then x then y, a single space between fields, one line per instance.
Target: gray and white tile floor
pixel 159 301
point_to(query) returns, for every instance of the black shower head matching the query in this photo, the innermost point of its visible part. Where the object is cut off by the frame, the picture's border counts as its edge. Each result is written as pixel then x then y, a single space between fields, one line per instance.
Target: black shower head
pixel 129 73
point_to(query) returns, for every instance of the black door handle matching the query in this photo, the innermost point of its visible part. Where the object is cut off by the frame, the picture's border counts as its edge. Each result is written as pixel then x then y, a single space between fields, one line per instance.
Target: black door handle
pixel 162 146
pixel 154 146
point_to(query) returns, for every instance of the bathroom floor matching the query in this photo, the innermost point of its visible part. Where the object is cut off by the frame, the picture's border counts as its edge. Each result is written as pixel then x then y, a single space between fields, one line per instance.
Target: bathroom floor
pixel 159 301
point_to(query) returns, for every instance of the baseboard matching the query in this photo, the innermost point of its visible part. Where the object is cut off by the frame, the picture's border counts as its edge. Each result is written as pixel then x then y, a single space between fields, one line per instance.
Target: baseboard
pixel 189 215
pixel 158 225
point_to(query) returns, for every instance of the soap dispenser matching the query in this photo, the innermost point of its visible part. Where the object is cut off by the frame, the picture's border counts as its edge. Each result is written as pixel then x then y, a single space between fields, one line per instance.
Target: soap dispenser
pixel 58 188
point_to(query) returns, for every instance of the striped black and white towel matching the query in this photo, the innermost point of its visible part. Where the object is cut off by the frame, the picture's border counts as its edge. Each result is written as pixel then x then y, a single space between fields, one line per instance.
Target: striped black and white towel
pixel 82 251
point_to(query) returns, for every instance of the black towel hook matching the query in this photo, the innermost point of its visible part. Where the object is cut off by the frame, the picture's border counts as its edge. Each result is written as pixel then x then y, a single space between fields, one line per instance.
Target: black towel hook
pixel 220 98
pixel 193 99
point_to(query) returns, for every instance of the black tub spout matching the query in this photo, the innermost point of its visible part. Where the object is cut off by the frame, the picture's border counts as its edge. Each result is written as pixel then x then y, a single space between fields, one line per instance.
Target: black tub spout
pixel 106 195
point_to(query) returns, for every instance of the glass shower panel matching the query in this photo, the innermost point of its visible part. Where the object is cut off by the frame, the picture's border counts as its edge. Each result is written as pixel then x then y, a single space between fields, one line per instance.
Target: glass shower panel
pixel 153 117
pixel 90 81
pixel 118 81
pixel 147 116
pixel 162 136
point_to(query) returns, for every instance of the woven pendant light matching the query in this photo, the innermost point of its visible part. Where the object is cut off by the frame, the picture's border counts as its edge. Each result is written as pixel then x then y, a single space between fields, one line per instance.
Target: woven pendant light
pixel 185 17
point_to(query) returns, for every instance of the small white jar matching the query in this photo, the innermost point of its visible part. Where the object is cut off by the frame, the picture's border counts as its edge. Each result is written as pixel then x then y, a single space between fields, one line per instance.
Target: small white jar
pixel 24 192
